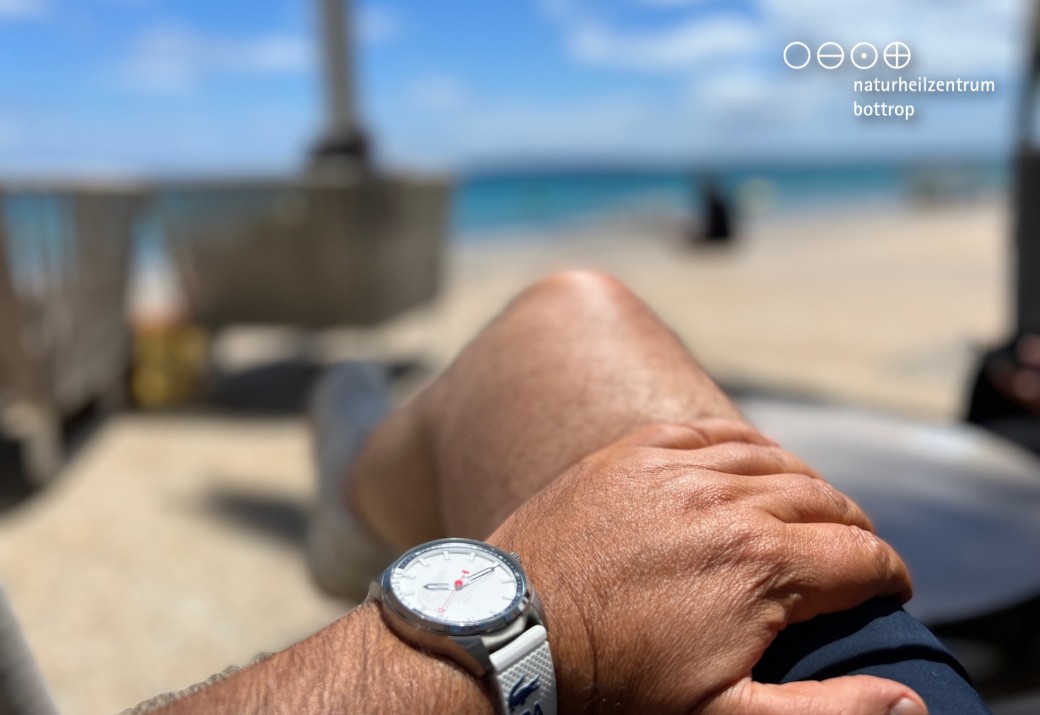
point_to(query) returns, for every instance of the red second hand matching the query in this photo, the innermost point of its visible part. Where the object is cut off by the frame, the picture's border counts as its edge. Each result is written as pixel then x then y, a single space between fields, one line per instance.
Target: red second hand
pixel 458 585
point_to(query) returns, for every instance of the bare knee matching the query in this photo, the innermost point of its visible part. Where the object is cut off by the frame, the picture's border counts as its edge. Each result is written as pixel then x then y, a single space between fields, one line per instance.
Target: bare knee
pixel 578 293
pixel 581 282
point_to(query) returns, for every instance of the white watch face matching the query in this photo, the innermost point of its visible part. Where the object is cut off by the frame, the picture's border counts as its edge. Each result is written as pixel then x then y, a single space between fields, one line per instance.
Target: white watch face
pixel 458 583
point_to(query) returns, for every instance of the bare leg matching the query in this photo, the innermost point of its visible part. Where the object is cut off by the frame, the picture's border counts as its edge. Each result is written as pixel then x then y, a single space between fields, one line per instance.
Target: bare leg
pixel 573 363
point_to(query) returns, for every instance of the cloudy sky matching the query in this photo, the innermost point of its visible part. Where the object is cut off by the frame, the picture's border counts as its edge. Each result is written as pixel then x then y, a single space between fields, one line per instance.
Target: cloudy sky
pixel 182 86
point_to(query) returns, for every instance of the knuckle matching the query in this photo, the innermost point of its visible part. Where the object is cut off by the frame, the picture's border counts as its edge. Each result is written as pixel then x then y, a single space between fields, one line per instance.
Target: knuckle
pixel 716 430
pixel 830 492
pixel 765 560
pixel 799 495
pixel 698 434
pixel 735 455
pixel 800 486
pixel 750 542
pixel 726 423
pixel 877 551
pixel 745 457
pixel 837 502
pixel 851 512
pixel 636 462
pixel 790 462
pixel 668 432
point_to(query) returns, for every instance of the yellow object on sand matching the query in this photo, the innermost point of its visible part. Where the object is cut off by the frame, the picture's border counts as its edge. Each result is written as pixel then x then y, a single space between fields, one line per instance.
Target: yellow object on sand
pixel 169 364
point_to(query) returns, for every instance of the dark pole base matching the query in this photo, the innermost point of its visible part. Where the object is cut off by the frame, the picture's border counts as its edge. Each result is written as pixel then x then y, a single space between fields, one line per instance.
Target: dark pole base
pixel 351 152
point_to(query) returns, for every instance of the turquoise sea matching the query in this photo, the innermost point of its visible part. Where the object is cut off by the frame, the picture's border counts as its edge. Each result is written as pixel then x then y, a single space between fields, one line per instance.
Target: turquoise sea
pixel 489 205
pixel 492 203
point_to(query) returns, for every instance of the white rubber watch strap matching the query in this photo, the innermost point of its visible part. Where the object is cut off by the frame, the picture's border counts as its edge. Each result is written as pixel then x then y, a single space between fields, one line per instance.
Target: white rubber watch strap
pixel 524 676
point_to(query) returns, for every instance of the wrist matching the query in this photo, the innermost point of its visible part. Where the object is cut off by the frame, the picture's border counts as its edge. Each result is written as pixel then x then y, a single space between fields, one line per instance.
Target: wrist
pixel 569 640
pixel 412 680
pixel 356 664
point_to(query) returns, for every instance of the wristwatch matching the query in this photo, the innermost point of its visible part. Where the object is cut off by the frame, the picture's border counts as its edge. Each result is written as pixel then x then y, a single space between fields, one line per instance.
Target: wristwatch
pixel 472 603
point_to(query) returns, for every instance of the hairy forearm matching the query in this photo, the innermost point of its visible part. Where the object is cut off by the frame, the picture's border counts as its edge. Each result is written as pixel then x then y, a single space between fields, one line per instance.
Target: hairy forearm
pixel 354 665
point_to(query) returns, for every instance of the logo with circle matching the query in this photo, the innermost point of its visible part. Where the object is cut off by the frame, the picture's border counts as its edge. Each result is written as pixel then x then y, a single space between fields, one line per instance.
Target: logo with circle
pixel 864 55
pixel 897 55
pixel 797 55
pixel 830 55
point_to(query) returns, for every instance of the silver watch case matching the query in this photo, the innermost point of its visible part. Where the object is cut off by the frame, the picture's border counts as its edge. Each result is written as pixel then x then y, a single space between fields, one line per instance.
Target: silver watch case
pixel 471 645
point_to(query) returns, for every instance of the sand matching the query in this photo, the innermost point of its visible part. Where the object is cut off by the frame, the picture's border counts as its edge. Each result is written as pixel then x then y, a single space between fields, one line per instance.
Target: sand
pixel 170 547
pixel 886 308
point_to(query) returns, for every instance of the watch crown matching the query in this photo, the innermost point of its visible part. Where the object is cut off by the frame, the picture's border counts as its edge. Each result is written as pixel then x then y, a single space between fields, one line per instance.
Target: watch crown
pixel 515 555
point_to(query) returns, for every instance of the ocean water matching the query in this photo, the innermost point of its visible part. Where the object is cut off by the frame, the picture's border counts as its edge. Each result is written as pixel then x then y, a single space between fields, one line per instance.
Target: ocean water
pixel 39 229
pixel 489 204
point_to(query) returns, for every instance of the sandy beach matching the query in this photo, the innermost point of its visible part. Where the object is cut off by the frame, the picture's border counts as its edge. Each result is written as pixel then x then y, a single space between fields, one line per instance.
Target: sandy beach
pixel 171 546
pixel 883 307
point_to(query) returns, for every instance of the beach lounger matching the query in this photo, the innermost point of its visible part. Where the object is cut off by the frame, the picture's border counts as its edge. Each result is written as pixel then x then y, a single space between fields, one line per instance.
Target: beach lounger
pixel 309 253
pixel 64 255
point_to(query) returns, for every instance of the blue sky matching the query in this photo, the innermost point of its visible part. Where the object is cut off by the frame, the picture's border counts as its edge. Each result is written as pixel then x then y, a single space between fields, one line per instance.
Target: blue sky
pixel 183 86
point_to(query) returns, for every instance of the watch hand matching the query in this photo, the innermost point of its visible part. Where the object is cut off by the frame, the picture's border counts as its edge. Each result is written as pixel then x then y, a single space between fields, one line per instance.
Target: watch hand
pixel 479 574
pixel 441 586
pixel 482 573
pixel 444 605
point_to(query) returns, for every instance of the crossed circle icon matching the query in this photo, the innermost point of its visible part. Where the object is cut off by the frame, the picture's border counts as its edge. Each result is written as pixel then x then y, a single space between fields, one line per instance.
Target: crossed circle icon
pixel 831 55
pixel 897 55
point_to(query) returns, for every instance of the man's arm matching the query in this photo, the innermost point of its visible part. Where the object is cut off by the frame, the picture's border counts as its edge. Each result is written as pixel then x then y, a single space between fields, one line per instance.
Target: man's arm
pixel 354 665
pixel 666 563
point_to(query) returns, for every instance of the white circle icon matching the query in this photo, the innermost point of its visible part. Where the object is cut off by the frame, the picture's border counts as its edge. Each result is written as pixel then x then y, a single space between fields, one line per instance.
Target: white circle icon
pixel 830 55
pixel 897 55
pixel 864 55
pixel 793 59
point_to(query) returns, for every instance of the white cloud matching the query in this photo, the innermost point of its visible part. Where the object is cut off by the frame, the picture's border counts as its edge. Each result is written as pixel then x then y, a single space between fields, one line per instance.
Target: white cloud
pixel 512 129
pixel 175 58
pixel 9 134
pixel 558 10
pixel 671 3
pixel 976 38
pixel 377 24
pixel 981 38
pixel 676 48
pixel 23 9
pixel 438 93
pixel 737 96
pixel 618 126
pixel 179 138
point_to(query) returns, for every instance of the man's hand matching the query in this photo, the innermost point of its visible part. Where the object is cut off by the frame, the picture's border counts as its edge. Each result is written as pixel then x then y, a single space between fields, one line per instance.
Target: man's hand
pixel 670 560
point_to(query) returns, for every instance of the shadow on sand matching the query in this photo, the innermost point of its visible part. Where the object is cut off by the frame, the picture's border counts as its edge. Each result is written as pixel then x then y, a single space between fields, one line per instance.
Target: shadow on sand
pixel 270 516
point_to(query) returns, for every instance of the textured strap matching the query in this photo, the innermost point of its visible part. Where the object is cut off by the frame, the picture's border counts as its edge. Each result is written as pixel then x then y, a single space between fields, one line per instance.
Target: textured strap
pixel 524 676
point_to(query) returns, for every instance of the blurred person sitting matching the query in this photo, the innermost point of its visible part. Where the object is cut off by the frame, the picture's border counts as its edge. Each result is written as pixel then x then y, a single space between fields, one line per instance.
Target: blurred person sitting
pixel 717 215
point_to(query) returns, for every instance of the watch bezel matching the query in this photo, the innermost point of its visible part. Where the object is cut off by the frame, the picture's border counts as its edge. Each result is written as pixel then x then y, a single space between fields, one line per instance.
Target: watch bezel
pixel 514 611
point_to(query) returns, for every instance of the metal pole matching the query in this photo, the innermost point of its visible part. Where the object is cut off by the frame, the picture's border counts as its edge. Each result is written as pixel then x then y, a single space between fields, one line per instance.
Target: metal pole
pixel 1027 229
pixel 343 146
pixel 993 403
pixel 339 86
